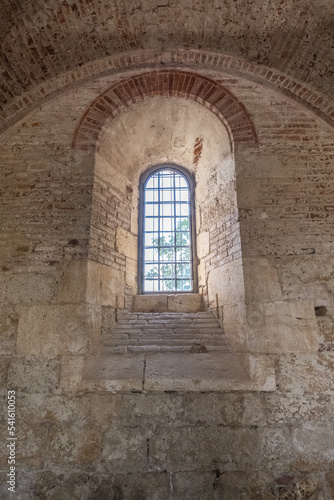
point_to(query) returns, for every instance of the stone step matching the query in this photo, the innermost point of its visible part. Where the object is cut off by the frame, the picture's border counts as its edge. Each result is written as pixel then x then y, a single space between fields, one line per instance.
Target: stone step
pixel 166 332
pixel 160 341
pixel 159 303
pixel 196 348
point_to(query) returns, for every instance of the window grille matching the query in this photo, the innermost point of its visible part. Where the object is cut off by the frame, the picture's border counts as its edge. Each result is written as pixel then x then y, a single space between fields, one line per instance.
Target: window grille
pixel 167 247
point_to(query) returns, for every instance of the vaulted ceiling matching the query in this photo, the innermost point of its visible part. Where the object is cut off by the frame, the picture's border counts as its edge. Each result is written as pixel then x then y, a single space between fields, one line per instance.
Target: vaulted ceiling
pixel 46 45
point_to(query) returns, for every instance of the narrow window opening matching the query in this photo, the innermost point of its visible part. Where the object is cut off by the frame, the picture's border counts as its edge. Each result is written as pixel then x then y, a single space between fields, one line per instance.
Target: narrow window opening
pixel 166 232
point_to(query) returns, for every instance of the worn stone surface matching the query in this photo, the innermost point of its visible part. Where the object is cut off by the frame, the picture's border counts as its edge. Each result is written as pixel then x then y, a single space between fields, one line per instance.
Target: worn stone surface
pixel 95 93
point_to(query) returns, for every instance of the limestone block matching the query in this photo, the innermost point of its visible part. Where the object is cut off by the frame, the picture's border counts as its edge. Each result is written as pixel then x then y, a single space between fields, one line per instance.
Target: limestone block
pixel 244 484
pixel 261 280
pixel 112 284
pixel 216 409
pixel 297 409
pixel 9 318
pixel 33 438
pixel 4 363
pixel 105 285
pixel 3 287
pixel 227 282
pixel 326 329
pixel 238 447
pixel 306 373
pixel 34 375
pixel 106 407
pixel 74 444
pixel 184 302
pixel 313 447
pixel 73 282
pixel 165 409
pixel 50 330
pixel 126 243
pixel 192 371
pixel 151 485
pixel 118 372
pixel 234 323
pixel 71 372
pixel 29 288
pixel 55 408
pixel 124 450
pixel 201 273
pixel 203 244
pixel 282 327
pixel 131 273
pixel 194 486
pixel 149 303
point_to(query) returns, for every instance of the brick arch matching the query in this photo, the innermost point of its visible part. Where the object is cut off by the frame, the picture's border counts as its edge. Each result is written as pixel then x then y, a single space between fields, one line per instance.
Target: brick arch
pixel 166 83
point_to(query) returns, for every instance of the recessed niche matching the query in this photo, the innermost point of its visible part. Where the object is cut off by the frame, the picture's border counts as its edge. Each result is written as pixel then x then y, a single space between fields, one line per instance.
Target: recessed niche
pixel 320 311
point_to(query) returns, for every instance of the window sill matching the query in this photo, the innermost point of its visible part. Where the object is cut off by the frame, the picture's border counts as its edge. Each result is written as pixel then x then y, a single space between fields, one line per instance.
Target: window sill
pixel 172 302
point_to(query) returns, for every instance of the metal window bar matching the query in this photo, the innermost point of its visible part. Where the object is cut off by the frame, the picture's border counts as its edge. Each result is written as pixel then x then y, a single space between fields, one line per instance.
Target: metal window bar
pixel 167 205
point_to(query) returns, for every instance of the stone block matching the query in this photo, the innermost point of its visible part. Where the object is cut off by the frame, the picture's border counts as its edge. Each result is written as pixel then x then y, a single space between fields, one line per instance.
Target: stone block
pixel 281 326
pixel 203 244
pixel 124 449
pixel 227 284
pixel 308 277
pixel 107 408
pixel 71 371
pixel 4 364
pixel 246 484
pixel 31 443
pixel 214 371
pixel 229 448
pixel 117 372
pixel 185 302
pixel 313 447
pixel 180 302
pixel 73 282
pixel 74 445
pixel 105 285
pixel 214 408
pixel 261 280
pixel 151 485
pixel 34 375
pixel 191 371
pixel 55 409
pixel 131 274
pixel 127 243
pixel 50 330
pixel 149 303
pixel 31 288
pixel 326 329
pixel 9 319
pixel 194 485
pixel 306 373
pixel 296 409
pixel 152 409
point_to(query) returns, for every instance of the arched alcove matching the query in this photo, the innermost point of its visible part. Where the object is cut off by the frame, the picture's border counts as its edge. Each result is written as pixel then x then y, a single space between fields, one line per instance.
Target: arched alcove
pixel 151 132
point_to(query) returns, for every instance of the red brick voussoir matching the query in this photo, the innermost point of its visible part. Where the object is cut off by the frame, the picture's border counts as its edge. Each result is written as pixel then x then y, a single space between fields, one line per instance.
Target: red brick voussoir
pixel 166 83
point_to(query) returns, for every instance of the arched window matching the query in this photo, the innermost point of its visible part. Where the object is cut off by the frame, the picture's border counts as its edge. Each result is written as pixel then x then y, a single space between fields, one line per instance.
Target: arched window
pixel 167 251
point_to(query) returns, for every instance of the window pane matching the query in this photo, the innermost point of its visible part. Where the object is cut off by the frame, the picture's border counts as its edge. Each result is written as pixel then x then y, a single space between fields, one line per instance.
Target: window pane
pixel 167 224
pixel 167 251
pixel 167 195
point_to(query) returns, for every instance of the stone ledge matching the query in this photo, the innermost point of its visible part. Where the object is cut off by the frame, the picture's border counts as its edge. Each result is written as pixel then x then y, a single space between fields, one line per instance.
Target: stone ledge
pixel 215 371
pixel 179 302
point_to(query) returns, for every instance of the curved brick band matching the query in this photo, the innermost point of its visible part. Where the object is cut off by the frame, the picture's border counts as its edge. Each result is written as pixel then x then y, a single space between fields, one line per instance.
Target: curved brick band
pixel 166 84
pixel 300 92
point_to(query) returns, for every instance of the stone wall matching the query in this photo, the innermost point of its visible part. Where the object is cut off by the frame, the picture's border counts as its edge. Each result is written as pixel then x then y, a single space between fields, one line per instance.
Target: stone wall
pixel 79 443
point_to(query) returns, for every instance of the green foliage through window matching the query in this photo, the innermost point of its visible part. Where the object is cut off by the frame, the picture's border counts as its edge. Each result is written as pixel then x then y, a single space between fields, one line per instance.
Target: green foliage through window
pixel 167 240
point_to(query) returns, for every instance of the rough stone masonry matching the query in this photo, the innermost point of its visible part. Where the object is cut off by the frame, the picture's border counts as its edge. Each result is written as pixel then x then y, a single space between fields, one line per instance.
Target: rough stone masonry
pixel 226 394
